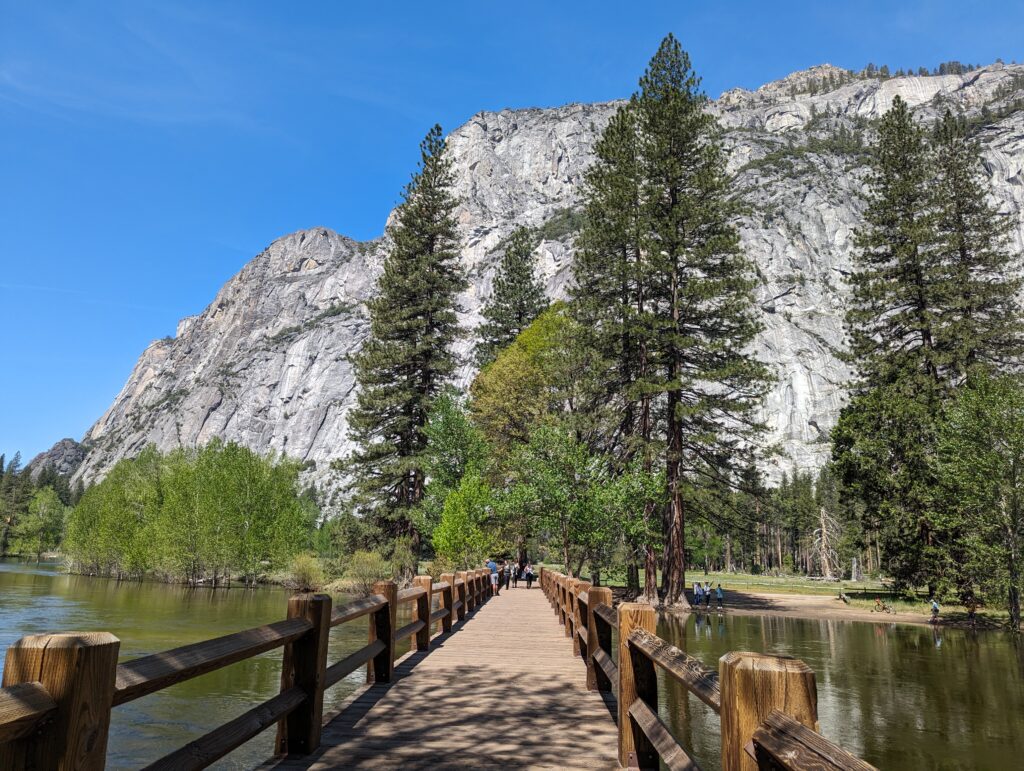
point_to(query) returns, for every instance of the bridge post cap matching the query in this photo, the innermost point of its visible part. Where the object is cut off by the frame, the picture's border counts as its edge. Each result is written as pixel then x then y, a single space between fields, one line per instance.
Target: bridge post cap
pixel 764 662
pixel 66 640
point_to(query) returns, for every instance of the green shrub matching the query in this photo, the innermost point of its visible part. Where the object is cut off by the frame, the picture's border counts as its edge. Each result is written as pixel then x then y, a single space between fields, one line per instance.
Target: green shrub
pixel 306 573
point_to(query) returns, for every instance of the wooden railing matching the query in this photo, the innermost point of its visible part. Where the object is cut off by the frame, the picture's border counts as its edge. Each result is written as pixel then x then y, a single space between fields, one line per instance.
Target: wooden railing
pixel 768 705
pixel 58 689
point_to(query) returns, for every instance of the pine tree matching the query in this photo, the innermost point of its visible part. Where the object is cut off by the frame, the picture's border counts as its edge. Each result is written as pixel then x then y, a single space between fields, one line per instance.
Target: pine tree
pixel 517 300
pixel 979 326
pixel 408 357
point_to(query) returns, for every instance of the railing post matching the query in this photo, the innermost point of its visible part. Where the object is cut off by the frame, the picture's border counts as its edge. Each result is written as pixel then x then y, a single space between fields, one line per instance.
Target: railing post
pixel 754 684
pixel 463 593
pixel 599 636
pixel 637 680
pixel 578 617
pixel 382 627
pixel 304 664
pixel 423 611
pixel 567 605
pixel 78 670
pixel 448 601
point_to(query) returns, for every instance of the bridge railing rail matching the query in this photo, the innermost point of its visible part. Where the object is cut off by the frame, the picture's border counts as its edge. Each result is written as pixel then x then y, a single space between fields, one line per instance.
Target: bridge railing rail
pixel 58 690
pixel 768 705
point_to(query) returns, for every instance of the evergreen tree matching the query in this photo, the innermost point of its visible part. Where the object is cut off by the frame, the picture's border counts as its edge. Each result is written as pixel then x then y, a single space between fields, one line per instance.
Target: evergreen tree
pixel 704 316
pixel 518 297
pixel 979 325
pixel 408 356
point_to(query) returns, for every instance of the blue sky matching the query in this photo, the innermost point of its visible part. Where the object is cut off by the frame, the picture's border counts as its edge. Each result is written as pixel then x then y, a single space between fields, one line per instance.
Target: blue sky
pixel 148 150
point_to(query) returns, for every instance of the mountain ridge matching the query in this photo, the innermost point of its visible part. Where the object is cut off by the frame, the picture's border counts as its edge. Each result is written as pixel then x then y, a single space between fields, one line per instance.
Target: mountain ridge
pixel 266 362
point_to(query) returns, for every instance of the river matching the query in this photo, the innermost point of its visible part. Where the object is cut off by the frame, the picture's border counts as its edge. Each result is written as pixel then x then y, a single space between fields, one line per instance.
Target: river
pixel 899 696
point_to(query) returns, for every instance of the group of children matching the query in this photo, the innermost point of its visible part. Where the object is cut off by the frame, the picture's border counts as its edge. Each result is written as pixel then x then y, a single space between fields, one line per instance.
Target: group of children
pixel 702 595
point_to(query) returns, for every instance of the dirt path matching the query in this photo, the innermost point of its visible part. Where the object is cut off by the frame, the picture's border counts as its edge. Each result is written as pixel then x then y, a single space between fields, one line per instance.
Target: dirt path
pixel 815 606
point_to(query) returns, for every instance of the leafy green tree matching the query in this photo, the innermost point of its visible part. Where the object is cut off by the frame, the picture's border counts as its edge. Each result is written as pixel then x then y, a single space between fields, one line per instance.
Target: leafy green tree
pixel 408 355
pixel 982 466
pixel 41 528
pixel 518 297
pixel 466 533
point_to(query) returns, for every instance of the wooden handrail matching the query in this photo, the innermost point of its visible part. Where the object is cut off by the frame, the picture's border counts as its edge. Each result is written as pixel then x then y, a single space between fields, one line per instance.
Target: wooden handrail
pixel 350 611
pixel 781 742
pixel 62 687
pixel 23 708
pixel 155 672
pixel 767 704
pixel 698 679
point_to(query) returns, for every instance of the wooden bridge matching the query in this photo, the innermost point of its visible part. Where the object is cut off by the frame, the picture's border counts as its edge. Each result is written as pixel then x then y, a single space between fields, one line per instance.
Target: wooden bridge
pixel 487 683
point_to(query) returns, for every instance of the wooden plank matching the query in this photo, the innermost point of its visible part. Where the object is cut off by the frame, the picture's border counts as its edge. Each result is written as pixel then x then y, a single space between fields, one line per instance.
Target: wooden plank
pixel 409 629
pixel 145 675
pixel 421 612
pixel 691 673
pixel 410 594
pixel 607 614
pixel 782 742
pixel 610 668
pixel 440 586
pixel 350 611
pixel 672 755
pixel 352 662
pixel 220 741
pixel 439 615
pixel 23 708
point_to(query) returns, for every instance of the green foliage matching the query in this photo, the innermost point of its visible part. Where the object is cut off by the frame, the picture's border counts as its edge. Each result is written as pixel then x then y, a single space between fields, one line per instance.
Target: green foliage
pixel 981 463
pixel 408 356
pixel 193 515
pixel 306 573
pixel 466 532
pixel 518 297
pixel 363 569
pixel 41 528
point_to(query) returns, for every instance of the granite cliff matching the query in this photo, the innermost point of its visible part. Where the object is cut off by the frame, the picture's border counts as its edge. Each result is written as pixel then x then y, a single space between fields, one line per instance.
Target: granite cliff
pixel 266 363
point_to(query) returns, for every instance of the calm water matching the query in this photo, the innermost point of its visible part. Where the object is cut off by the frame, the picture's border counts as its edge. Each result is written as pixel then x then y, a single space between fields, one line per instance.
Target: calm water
pixel 899 696
pixel 152 617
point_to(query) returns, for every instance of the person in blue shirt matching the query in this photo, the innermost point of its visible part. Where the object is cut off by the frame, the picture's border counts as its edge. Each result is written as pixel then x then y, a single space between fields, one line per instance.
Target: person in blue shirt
pixel 493 567
pixel 720 595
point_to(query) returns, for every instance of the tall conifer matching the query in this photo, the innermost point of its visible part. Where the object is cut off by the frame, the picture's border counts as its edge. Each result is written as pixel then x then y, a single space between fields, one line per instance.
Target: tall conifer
pixel 408 357
pixel 518 297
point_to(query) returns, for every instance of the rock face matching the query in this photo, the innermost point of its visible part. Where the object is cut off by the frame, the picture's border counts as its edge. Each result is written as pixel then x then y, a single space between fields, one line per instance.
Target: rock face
pixel 266 364
pixel 64 457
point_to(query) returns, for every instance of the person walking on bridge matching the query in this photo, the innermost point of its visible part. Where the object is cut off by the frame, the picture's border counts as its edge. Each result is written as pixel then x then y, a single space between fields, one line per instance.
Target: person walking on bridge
pixel 506 573
pixel 529 575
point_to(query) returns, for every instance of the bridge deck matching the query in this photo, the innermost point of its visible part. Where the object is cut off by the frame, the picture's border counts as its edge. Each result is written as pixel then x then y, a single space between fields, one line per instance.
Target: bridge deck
pixel 501 689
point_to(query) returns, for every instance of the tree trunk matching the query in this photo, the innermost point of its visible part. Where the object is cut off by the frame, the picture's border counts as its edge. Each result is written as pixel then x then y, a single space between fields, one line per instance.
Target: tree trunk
pixel 675 543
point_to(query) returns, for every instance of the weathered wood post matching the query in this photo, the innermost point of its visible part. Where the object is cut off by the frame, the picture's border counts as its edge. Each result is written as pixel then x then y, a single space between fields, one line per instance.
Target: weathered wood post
pixel 463 593
pixel 422 611
pixel 579 618
pixel 382 627
pixel 567 604
pixel 448 601
pixel 754 684
pixel 304 664
pixel 77 669
pixel 637 680
pixel 599 637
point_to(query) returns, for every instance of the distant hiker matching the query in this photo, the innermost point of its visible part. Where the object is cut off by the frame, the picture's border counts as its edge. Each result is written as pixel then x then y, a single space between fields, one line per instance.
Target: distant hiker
pixel 972 612
pixel 516 569
pixel 720 595
pixel 506 573
pixel 529 575
pixel 493 567
pixel 698 593
pixel 707 595
pixel 935 610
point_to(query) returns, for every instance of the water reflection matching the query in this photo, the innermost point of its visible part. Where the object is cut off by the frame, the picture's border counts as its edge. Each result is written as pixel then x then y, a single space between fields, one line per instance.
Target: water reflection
pixel 151 617
pixel 899 696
